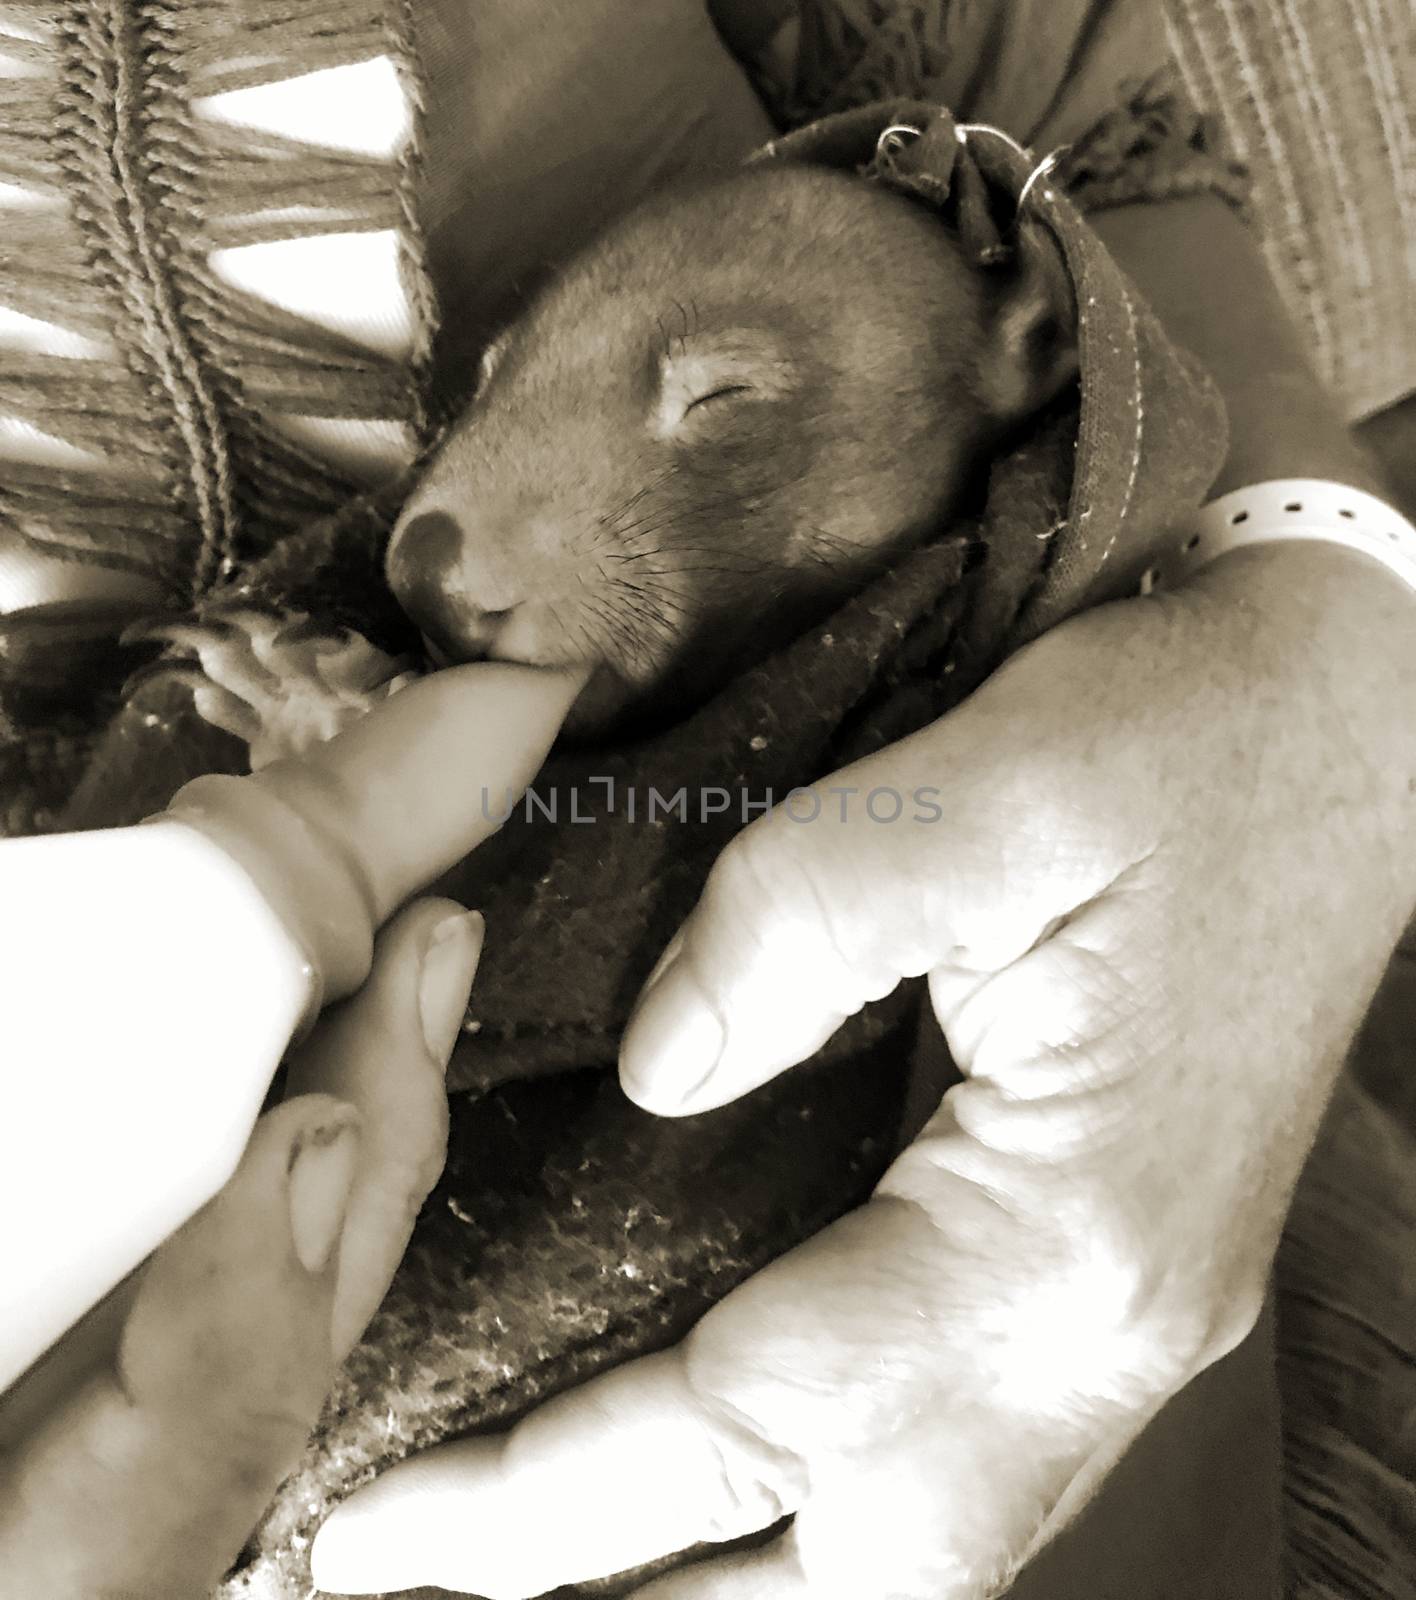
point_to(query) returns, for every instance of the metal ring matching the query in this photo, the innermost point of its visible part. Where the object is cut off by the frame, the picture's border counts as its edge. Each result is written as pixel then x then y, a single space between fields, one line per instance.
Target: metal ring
pixel 1041 170
pixel 895 135
pixel 963 129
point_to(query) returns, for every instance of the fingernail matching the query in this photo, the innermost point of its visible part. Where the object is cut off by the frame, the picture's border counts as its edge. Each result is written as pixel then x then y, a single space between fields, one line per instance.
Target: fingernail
pixel 321 1178
pixel 671 954
pixel 672 1044
pixel 336 1554
pixel 449 964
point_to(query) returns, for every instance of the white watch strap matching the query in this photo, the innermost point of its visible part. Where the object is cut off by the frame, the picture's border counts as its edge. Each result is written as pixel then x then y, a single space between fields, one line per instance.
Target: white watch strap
pixel 1288 508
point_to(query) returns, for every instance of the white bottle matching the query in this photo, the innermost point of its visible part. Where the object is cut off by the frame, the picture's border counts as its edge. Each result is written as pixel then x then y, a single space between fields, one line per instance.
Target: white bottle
pixel 151 977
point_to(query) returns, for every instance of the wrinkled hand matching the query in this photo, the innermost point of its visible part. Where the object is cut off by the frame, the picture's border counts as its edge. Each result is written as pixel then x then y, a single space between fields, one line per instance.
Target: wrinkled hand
pixel 138 1455
pixel 1174 856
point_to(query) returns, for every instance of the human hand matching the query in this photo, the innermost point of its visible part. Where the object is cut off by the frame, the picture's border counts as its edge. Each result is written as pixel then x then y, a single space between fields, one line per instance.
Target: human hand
pixel 1175 854
pixel 139 1453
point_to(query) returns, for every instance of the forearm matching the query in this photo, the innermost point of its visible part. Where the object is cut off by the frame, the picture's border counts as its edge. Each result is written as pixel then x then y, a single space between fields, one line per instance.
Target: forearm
pixel 1335 632
pixel 1202 273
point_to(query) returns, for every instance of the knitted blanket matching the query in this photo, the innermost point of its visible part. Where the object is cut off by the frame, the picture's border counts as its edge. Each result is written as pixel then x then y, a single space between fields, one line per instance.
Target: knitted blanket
pixel 571 1230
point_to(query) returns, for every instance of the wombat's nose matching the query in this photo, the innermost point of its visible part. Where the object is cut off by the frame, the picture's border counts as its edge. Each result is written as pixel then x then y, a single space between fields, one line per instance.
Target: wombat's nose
pixel 428 573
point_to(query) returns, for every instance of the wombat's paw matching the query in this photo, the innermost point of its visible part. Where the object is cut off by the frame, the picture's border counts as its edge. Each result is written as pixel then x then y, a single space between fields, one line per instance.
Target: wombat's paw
pixel 276 679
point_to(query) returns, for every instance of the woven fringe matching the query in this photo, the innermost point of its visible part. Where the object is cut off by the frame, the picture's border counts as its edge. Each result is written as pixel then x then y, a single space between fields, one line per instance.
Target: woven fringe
pixel 240 45
pixel 414 273
pixel 179 469
pixel 179 404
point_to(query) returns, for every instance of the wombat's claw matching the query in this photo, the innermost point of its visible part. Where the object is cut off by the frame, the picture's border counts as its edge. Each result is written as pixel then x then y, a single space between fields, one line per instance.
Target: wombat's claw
pixel 277 680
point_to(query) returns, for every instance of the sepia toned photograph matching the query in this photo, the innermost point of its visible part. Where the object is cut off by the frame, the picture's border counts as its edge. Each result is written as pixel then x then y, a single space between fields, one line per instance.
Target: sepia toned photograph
pixel 708 799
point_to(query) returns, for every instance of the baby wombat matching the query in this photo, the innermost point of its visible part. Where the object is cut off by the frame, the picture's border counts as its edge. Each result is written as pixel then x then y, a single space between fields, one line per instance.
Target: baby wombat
pixel 744 399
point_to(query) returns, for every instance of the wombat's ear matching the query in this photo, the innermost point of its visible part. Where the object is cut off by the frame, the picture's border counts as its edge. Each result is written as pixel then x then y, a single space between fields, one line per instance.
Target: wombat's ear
pixel 1031 354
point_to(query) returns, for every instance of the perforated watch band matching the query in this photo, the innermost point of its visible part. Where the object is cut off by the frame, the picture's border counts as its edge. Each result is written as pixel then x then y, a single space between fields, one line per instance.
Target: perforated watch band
pixel 1288 508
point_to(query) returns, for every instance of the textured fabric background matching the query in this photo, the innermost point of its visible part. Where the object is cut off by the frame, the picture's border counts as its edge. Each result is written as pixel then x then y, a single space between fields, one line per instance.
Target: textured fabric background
pixel 1347 1323
pixel 1317 97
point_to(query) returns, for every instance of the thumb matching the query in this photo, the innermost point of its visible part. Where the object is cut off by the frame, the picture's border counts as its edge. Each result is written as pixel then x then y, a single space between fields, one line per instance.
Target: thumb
pixel 385 1051
pixel 951 853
